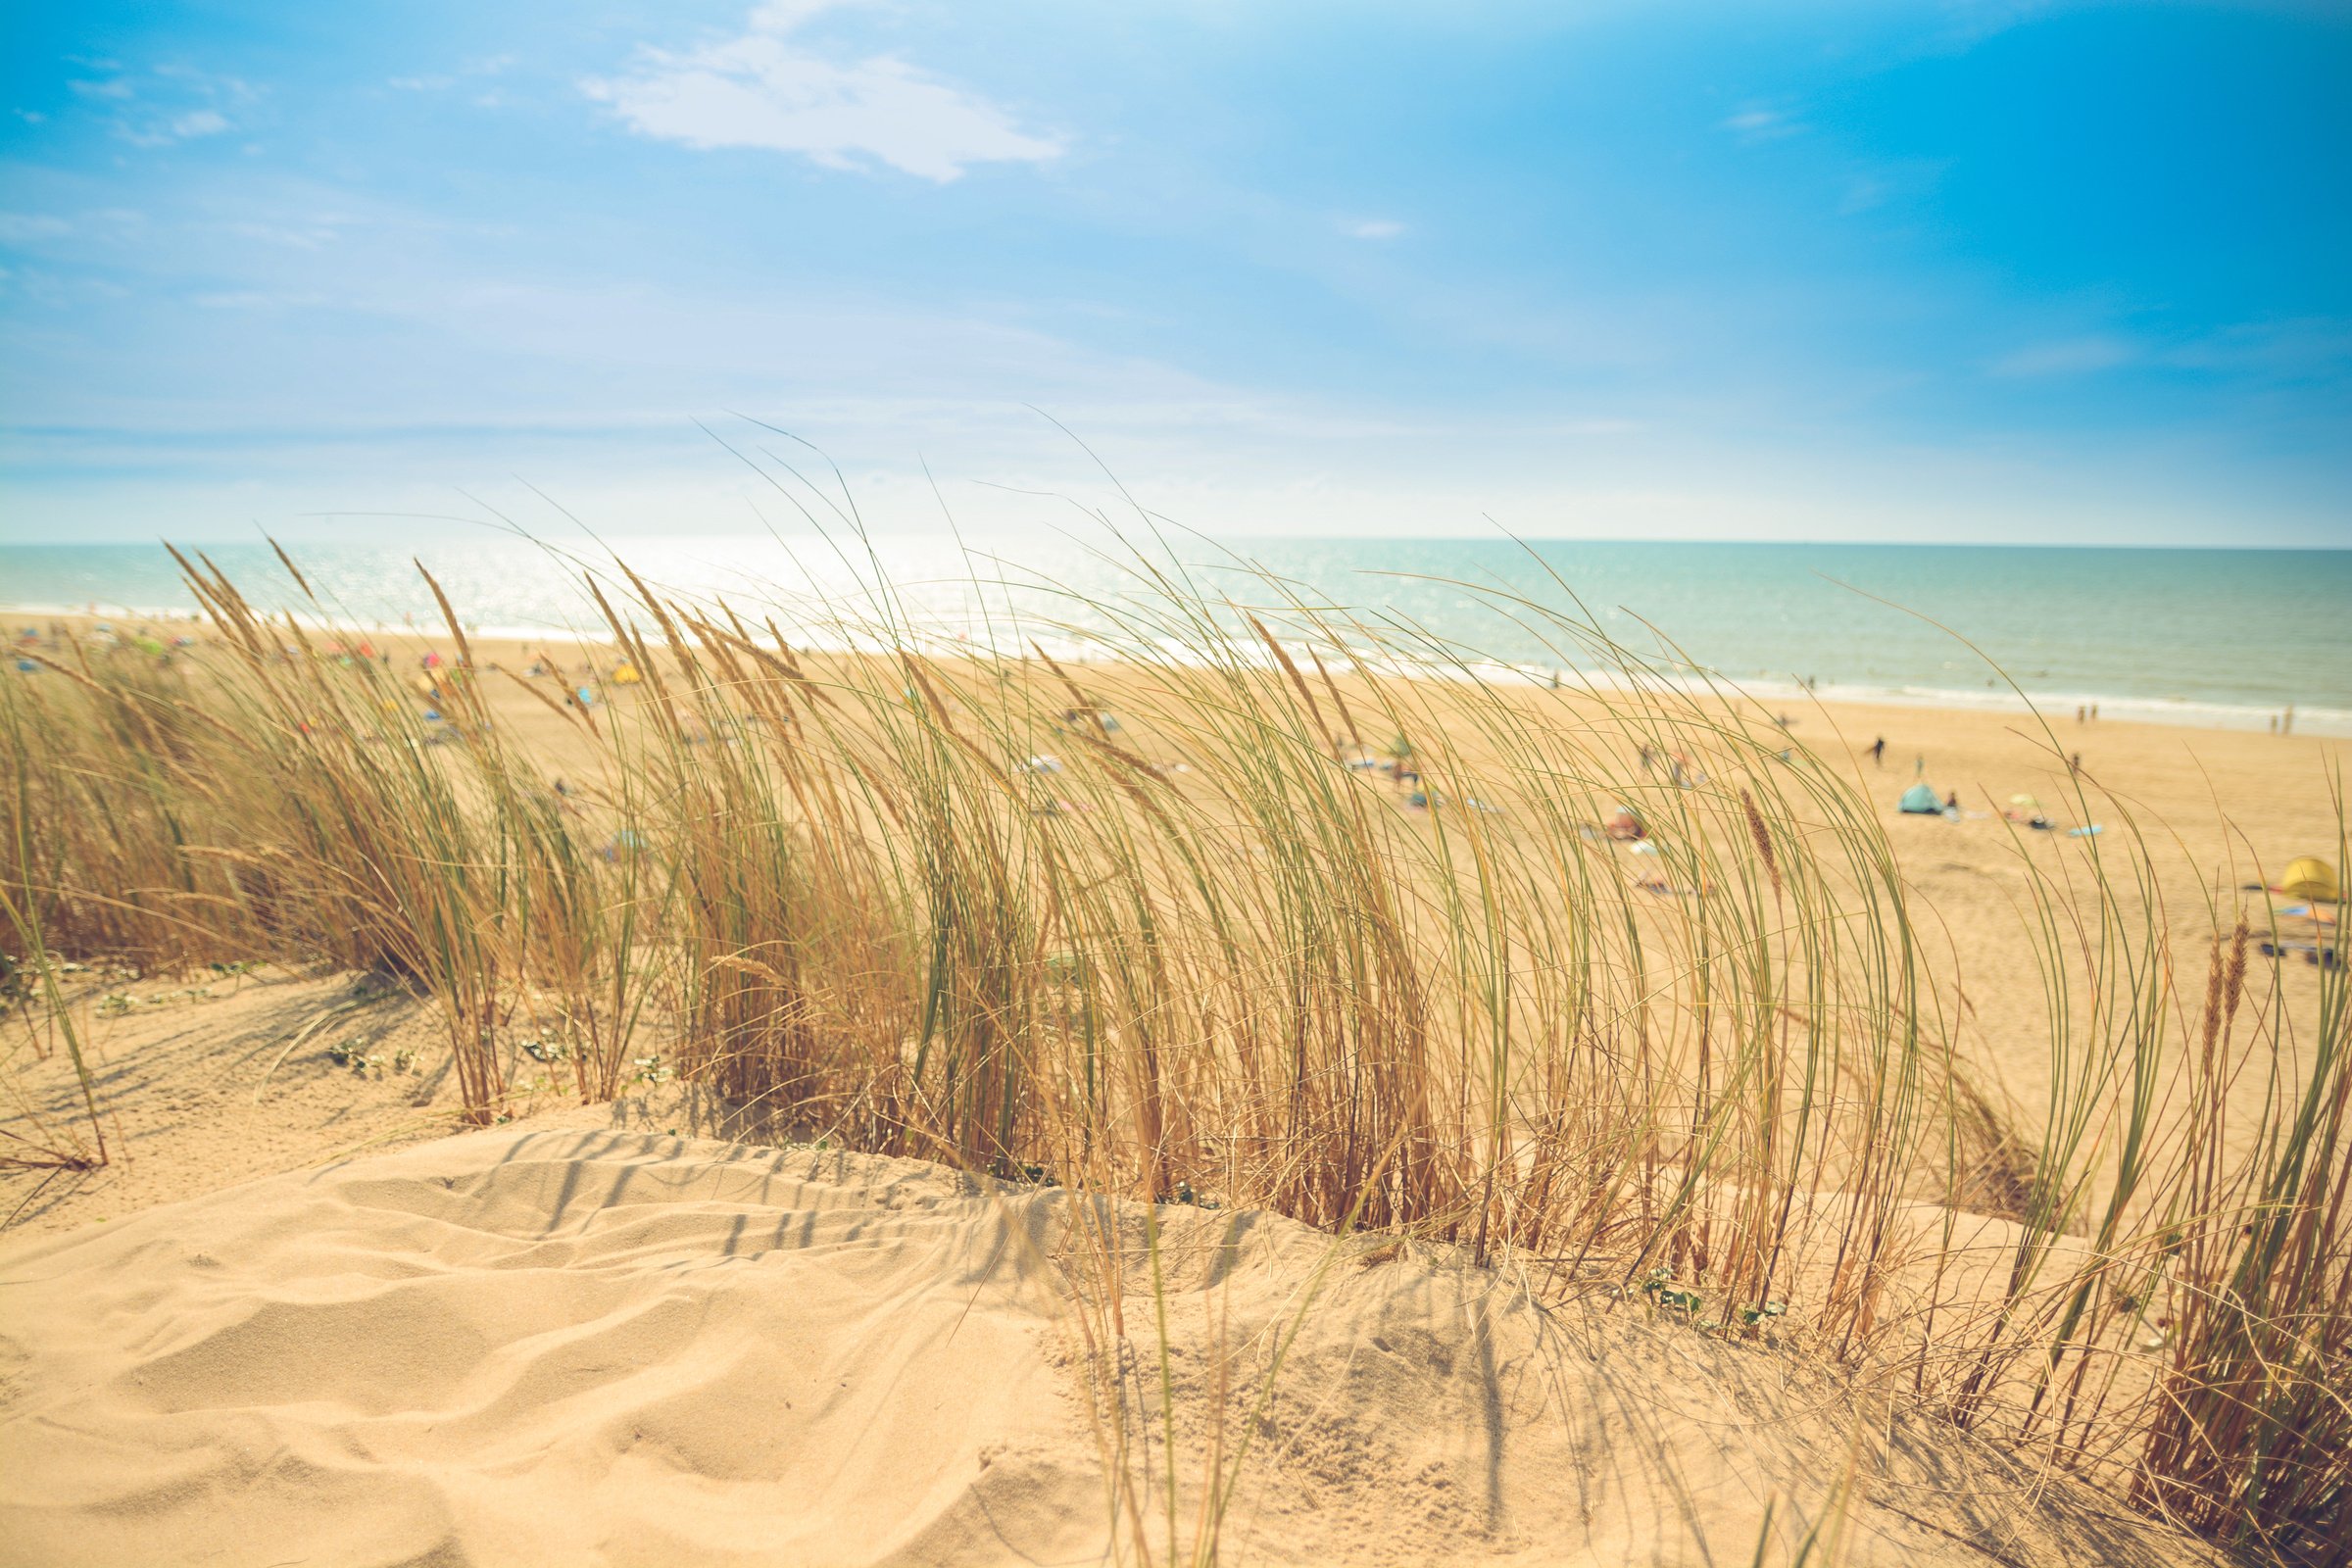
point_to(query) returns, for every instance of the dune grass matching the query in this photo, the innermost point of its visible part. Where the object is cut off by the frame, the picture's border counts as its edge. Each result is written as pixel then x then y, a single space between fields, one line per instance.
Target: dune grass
pixel 1157 915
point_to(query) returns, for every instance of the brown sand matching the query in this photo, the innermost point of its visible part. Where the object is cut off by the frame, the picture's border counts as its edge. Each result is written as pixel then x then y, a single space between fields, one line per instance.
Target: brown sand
pixel 551 1345
pixel 209 1080
pixel 597 1346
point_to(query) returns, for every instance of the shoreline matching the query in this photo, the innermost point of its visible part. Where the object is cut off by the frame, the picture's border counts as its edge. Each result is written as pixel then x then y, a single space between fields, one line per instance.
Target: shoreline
pixel 2053 706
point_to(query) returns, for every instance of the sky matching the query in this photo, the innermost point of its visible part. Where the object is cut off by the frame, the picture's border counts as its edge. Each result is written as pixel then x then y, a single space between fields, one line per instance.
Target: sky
pixel 2000 271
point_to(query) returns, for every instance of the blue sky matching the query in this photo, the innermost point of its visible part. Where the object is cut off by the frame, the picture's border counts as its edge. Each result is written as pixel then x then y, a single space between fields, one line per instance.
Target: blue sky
pixel 2010 273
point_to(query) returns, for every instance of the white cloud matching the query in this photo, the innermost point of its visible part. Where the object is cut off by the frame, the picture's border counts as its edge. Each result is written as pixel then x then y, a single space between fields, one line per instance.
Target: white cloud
pixel 769 89
pixel 441 82
pixel 189 126
pixel 2074 356
pixel 1863 194
pixel 167 103
pixel 1762 123
pixel 309 234
pixel 24 228
pixel 1375 228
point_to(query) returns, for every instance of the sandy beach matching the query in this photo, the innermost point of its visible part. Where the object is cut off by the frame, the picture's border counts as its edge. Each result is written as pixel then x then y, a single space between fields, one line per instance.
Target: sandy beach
pixel 555 1347
pixel 791 783
pixel 299 1304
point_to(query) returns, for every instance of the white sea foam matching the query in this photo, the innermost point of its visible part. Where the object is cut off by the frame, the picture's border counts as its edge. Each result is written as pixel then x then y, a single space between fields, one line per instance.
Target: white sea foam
pixel 2212 639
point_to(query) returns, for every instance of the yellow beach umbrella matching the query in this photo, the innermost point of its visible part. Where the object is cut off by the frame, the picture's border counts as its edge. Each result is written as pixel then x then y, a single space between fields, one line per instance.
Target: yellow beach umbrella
pixel 2310 877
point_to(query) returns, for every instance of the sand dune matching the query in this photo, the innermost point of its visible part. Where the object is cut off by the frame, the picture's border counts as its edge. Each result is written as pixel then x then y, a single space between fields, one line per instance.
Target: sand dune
pixel 600 1346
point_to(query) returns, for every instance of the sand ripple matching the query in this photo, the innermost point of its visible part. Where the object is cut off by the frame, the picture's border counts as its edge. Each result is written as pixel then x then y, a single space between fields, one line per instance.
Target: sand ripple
pixel 601 1347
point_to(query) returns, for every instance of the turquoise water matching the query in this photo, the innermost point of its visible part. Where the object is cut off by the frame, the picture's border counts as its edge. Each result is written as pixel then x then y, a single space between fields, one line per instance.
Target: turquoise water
pixel 2227 637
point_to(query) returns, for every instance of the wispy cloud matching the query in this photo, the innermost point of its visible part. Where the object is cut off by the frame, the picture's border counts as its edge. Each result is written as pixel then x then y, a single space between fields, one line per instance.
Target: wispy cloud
pixel 2074 356
pixel 102 224
pixel 252 300
pixel 443 81
pixel 768 88
pixel 165 131
pixel 167 105
pixel 24 228
pixel 1762 123
pixel 114 87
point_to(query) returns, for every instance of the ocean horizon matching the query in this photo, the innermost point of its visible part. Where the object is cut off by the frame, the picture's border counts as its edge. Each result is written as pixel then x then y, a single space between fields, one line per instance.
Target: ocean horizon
pixel 2221 638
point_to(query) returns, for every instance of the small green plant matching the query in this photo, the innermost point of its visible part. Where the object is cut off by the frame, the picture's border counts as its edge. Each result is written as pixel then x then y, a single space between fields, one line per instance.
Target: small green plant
pixel 356 1054
pixel 1658 1285
pixel 345 1052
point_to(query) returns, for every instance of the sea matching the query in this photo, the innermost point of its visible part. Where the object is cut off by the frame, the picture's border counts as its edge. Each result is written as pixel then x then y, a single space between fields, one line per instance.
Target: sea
pixel 2213 638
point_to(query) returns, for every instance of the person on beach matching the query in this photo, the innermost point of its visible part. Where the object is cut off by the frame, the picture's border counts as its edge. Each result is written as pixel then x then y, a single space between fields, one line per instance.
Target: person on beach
pixel 2074 766
pixel 1878 752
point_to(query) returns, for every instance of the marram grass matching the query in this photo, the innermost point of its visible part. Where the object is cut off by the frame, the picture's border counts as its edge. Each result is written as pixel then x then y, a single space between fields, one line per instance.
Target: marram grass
pixel 1156 916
